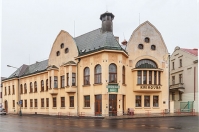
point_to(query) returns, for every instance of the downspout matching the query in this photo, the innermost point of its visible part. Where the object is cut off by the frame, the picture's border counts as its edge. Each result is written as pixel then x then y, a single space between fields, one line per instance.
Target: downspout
pixel 77 87
pixel 194 83
pixel 169 86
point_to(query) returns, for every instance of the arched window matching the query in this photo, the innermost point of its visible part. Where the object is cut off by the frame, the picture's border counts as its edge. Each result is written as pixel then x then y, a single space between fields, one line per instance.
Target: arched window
pixel 46 84
pixel 123 75
pixel 147 40
pixel 86 76
pixel 62 45
pixel 31 88
pixel 146 63
pixel 98 73
pixel 21 89
pixel 35 86
pixel 42 85
pixel 25 88
pixel 112 73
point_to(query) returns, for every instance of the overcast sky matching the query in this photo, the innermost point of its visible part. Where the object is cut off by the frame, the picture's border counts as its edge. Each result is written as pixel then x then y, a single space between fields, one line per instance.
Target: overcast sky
pixel 29 27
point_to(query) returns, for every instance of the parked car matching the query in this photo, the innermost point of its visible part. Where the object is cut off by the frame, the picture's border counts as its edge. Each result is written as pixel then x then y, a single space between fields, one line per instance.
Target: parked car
pixel 2 111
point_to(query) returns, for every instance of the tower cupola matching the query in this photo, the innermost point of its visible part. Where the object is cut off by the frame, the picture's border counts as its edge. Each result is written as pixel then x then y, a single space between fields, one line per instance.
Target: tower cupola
pixel 107 24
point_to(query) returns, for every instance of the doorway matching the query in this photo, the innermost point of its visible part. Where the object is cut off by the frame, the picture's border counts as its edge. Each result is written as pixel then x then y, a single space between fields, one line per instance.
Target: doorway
pixel 98 105
pixel 6 106
pixel 112 104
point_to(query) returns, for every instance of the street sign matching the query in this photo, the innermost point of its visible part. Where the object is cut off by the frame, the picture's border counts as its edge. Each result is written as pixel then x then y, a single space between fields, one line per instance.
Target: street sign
pixel 20 102
pixel 112 90
pixel 112 87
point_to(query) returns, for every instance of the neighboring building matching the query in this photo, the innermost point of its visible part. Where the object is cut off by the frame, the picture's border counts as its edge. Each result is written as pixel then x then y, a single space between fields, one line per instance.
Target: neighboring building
pixel 94 75
pixel 1 93
pixel 184 79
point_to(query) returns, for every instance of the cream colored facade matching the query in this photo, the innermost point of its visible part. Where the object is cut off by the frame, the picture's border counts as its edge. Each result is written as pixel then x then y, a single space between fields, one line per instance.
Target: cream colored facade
pixel 184 79
pixel 101 82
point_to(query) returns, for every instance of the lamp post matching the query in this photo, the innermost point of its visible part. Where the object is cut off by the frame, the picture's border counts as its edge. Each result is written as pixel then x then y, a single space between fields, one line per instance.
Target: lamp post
pixel 19 91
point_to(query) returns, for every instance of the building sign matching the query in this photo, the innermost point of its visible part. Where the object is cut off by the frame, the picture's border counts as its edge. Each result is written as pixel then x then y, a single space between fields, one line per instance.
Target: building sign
pixel 112 87
pixel 150 87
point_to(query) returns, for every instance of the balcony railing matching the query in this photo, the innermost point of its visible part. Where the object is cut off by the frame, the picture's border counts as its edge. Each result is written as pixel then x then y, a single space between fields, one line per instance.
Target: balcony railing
pixel 177 86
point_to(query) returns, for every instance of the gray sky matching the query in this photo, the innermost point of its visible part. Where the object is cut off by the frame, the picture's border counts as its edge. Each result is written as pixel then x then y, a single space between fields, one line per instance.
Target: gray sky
pixel 29 27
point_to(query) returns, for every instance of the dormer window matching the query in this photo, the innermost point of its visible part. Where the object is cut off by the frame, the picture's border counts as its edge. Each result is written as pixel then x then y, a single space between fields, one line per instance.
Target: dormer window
pixel 66 50
pixel 153 47
pixel 62 45
pixel 57 53
pixel 140 46
pixel 147 40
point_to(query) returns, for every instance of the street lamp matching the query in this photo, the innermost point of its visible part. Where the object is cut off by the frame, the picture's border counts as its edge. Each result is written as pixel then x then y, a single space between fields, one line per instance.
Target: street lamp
pixel 19 91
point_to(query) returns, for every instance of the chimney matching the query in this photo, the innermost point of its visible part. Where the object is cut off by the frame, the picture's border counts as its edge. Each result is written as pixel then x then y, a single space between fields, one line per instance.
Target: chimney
pixel 107 24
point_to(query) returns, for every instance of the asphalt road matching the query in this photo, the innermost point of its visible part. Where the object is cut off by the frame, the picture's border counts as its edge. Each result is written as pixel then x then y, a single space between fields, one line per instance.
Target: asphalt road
pixel 14 123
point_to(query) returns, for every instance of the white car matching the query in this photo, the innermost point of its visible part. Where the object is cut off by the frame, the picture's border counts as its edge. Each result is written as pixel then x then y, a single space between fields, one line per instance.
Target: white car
pixel 2 111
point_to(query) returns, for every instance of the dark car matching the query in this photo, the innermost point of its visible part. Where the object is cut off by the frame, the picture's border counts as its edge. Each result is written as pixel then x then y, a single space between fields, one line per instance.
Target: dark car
pixel 2 111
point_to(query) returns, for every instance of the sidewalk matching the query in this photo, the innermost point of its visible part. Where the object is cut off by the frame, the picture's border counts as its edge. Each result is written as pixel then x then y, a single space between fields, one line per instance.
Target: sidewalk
pixel 158 115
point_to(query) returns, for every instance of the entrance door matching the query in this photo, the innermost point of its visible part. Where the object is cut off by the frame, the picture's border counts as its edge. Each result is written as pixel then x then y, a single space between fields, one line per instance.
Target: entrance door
pixel 112 104
pixel 98 105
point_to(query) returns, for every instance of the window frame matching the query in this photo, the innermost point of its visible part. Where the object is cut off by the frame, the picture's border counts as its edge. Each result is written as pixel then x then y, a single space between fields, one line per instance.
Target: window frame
pixel 112 73
pixel 98 74
pixel 35 87
pixel 42 85
pixel 55 81
pixel 87 101
pixel 146 101
pixel 155 101
pixel 54 102
pixel 21 88
pixel 139 77
pixel 123 75
pixel 144 77
pixel 42 103
pixel 73 79
pixel 86 76
pixel 35 103
pixel 62 81
pixel 138 101
pixel 71 101
pixel 25 88
pixel 62 101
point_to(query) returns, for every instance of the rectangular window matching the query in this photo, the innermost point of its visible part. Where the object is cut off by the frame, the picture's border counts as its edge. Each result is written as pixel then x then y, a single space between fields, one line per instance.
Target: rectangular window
pixel 50 82
pixel 62 101
pixel 71 98
pixel 146 101
pixel 5 91
pixel 31 102
pixel 150 77
pixel 155 101
pixel 35 102
pixel 21 103
pixel 67 81
pixel 73 79
pixel 8 90
pixel 13 89
pixel 13 103
pixel 173 96
pixel 180 62
pixel 47 102
pixel 173 80
pixel 42 102
pixel 144 77
pixel 173 66
pixel 159 78
pixel 25 103
pixel 155 77
pixel 55 82
pixel 138 101
pixel 180 96
pixel 87 101
pixel 62 81
pixel 139 77
pixel 180 78
pixel 54 102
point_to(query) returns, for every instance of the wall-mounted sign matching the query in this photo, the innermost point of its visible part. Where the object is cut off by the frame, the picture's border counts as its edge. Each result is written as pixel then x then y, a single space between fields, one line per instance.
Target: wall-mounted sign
pixel 112 87
pixel 113 90
pixel 150 87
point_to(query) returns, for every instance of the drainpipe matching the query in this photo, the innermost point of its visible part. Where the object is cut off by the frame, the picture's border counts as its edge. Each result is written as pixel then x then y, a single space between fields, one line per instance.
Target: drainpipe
pixel 169 86
pixel 77 87
pixel 194 83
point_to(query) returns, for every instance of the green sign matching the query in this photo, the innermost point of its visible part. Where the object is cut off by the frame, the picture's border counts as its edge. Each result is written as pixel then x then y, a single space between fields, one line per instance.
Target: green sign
pixel 113 90
pixel 112 86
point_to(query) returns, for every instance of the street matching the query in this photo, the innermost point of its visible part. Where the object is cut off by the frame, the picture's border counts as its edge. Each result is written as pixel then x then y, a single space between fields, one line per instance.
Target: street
pixel 40 123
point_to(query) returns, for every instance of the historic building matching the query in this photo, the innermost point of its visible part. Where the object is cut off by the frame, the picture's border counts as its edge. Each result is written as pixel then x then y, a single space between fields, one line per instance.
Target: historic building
pixel 94 75
pixel 184 80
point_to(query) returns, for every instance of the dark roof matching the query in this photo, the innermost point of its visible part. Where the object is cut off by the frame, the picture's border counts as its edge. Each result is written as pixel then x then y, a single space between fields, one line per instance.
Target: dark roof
pixel 29 69
pixel 95 41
